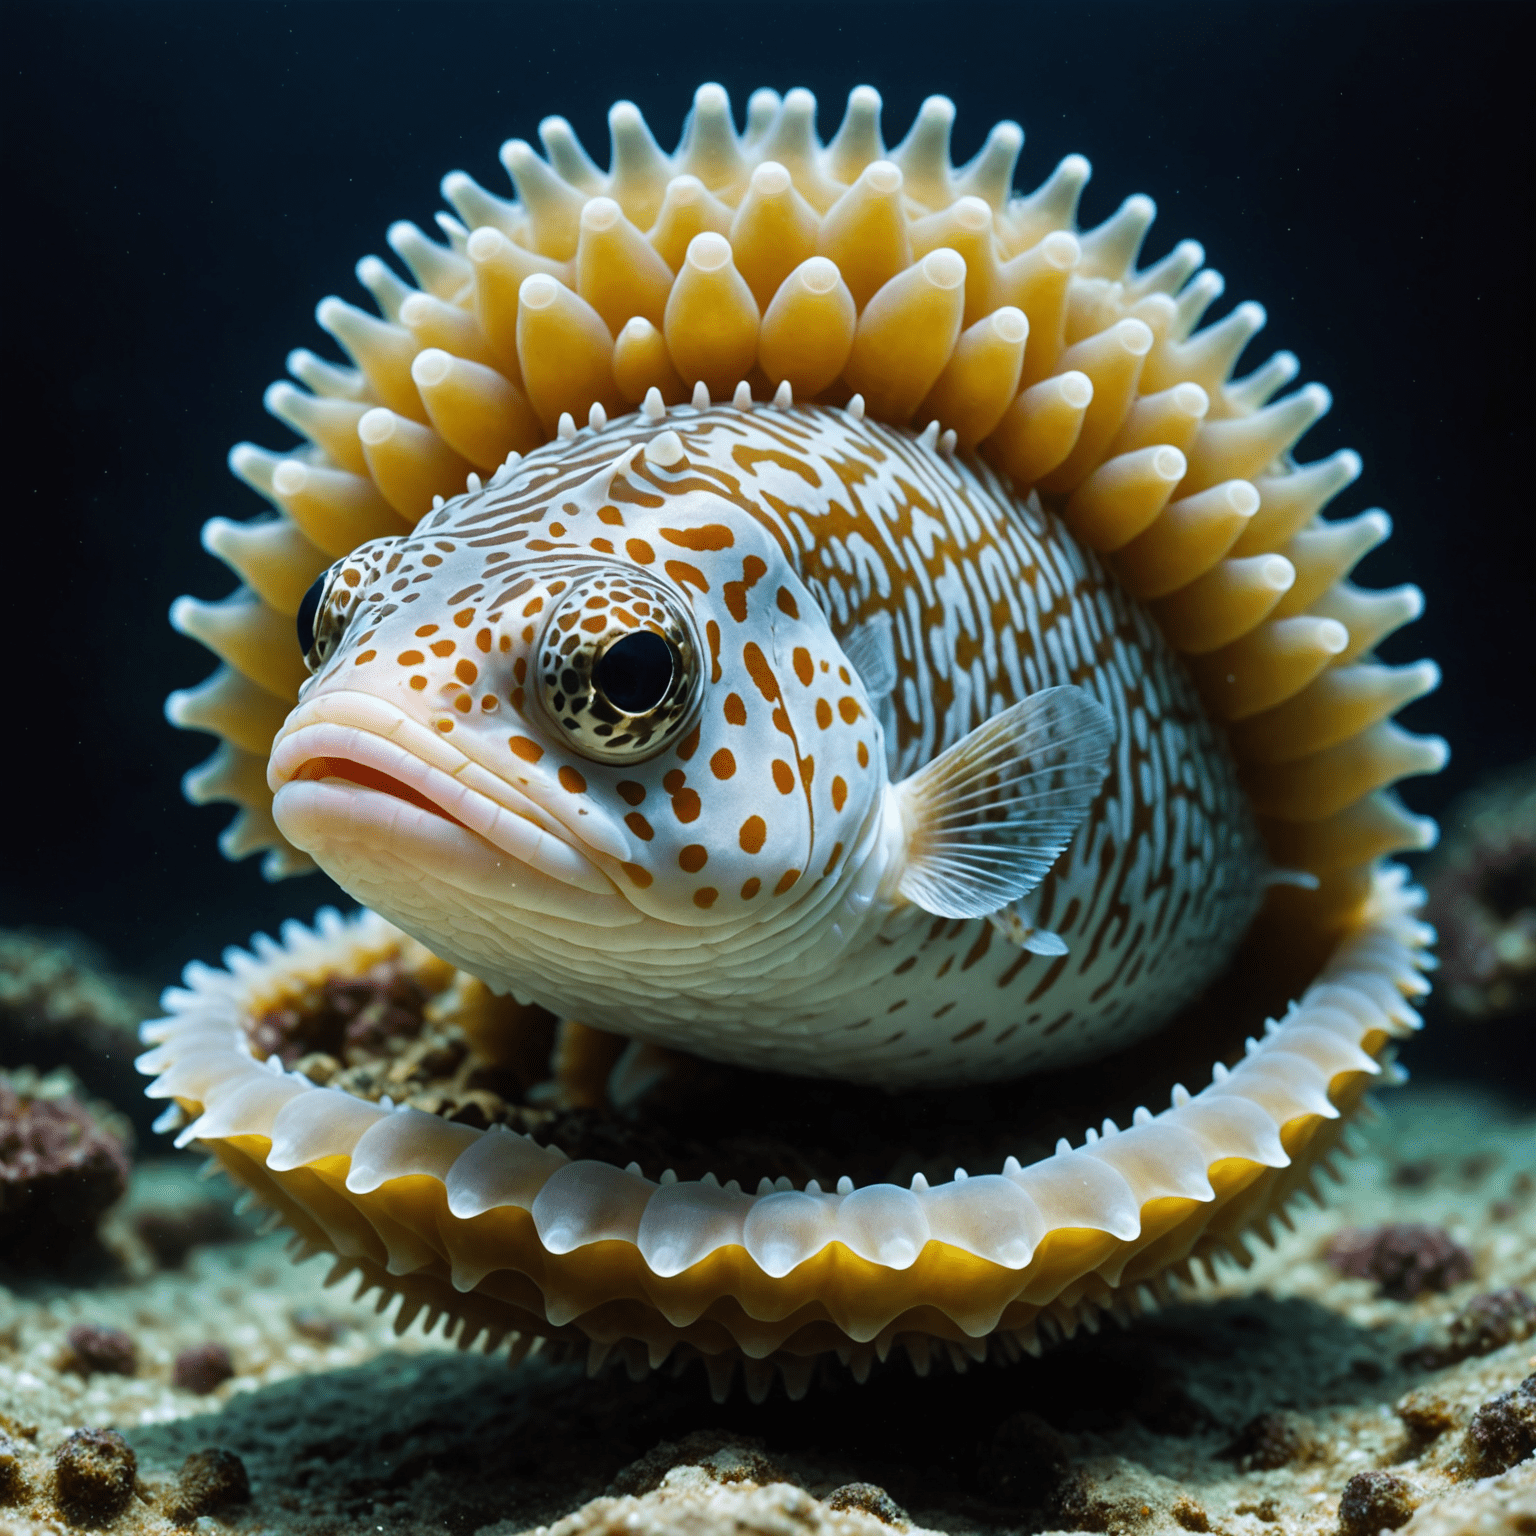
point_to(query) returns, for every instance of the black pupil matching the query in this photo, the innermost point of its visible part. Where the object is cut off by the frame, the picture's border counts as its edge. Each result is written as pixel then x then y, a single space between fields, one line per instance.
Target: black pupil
pixel 634 673
pixel 305 620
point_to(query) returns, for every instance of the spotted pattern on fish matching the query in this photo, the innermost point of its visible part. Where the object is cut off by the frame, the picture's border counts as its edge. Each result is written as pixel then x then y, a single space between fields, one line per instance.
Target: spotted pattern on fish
pixel 731 896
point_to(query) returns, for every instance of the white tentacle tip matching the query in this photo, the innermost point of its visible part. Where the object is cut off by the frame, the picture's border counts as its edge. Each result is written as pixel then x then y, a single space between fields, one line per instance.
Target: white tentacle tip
pixel 856 407
pixel 701 401
pixel 948 441
pixel 597 417
pixel 742 399
pixel 665 449
pixel 473 483
pixel 567 428
pixel 930 436
pixel 653 409
pixel 784 395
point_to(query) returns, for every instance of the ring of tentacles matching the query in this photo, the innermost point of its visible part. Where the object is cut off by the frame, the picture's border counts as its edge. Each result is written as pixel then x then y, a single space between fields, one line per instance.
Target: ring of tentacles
pixel 390 1110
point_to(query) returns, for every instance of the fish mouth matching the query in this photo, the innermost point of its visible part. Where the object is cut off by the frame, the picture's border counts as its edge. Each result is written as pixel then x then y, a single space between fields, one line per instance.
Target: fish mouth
pixel 349 772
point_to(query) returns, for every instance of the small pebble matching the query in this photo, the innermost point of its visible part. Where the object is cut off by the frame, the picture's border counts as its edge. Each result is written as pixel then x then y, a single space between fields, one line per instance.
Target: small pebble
pixel 94 1473
pixel 14 1486
pixel 1189 1514
pixel 1405 1259
pixel 1374 1502
pixel 868 1499
pixel 1273 1440
pixel 96 1347
pixel 210 1480
pixel 1492 1320
pixel 1503 1431
pixel 202 1368
pixel 317 1325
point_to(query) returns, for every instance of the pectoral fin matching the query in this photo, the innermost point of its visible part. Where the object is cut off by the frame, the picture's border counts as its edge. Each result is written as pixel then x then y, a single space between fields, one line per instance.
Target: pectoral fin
pixel 1016 927
pixel 987 819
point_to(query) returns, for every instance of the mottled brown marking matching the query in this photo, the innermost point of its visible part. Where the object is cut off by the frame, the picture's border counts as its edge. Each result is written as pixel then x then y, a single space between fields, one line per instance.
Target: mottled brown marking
pixel 753 834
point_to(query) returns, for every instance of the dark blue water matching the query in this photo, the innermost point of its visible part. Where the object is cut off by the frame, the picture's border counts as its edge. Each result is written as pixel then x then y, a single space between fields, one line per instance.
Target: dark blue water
pixel 184 182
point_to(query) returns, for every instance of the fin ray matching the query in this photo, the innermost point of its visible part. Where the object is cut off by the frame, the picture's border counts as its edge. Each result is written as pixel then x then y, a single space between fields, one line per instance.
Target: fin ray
pixel 989 817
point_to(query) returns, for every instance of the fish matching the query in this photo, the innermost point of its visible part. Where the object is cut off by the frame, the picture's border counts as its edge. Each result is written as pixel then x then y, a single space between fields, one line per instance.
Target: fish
pixel 819 671
pixel 737 732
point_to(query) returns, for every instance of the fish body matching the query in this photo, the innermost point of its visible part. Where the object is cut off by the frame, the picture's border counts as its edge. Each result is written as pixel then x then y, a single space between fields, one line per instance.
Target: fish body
pixel 745 866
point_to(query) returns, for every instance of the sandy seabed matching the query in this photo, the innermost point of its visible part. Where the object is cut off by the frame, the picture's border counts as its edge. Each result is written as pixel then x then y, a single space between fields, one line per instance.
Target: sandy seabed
pixel 1245 1409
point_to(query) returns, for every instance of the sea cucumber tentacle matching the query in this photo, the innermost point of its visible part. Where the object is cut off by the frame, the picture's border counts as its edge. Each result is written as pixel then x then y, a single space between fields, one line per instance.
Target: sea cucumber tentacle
pixel 1090 315
pixel 784 1273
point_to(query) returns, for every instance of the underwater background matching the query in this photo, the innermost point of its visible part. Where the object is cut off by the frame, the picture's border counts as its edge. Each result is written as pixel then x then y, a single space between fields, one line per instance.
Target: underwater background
pixel 185 181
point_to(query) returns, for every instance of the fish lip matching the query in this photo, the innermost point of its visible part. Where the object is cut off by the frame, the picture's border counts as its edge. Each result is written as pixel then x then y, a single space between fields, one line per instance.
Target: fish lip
pixel 516 826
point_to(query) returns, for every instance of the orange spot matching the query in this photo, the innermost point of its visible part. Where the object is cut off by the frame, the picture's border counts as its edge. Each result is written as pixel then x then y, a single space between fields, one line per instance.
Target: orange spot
pixel 863 755
pixel 410 658
pixel 842 672
pixel 529 751
pixel 445 726
pixel 425 630
pixel 837 853
pixel 483 640
pixel 603 546
pixel 443 647
pixel 735 710
pixel 807 770
pixel 463 703
pixel 466 671
pixel 517 700
pixel 786 880
pixel 693 858
pixel 848 708
pixel 571 780
pixel 787 603
pixel 630 792
pixel 689 744
pixel 464 617
pixel 638 873
pixel 839 793
pixel 712 630
pixel 710 536
pixel 557 529
pixel 673 780
pixel 686 575
pixel 750 888
pixel 759 670
pixel 519 668
pixel 640 552
pixel 722 764
pixel 532 606
pixel 610 515
pixel 735 594
pixel 639 826
pixel 490 703
pixel 366 656
pixel 804 670
pixel 754 832
pixel 783 776
pixel 705 896
pixel 823 713
pixel 418 682
pixel 686 805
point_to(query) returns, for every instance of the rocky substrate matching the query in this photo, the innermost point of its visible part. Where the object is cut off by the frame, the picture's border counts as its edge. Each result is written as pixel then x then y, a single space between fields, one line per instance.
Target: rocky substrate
pixel 1376 1371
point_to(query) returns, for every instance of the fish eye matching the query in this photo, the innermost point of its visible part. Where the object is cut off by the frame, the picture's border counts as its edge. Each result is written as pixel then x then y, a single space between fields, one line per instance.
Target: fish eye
pixel 309 609
pixel 618 667
pixel 332 599
pixel 635 672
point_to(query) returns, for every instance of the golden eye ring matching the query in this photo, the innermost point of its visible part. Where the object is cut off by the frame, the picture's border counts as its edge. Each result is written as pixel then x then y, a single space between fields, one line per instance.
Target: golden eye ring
pixel 618 669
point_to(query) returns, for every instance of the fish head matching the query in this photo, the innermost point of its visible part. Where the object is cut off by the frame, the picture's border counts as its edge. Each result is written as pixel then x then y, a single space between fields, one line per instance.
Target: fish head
pixel 598 718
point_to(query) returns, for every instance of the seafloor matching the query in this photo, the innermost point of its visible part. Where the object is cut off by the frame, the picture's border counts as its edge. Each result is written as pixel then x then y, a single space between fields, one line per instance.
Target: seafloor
pixel 1250 1408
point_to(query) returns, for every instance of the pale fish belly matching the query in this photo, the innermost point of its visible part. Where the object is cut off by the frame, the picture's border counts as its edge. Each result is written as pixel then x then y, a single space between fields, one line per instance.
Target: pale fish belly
pixel 991 599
